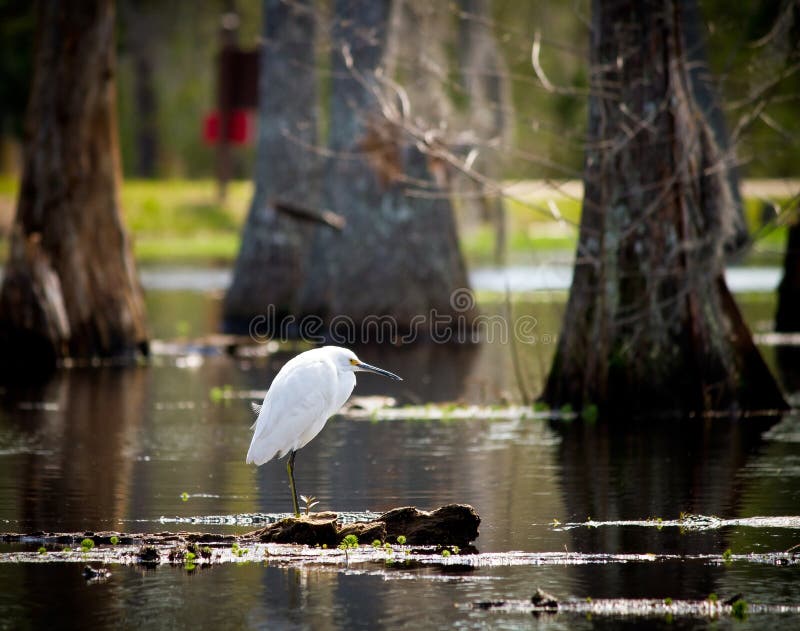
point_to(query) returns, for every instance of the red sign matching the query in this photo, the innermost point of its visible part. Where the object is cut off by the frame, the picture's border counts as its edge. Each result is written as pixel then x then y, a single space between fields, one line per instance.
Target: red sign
pixel 241 127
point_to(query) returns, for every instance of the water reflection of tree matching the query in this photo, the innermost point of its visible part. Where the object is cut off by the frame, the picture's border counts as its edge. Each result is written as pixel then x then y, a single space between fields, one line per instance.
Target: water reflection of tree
pixel 84 424
pixel 624 472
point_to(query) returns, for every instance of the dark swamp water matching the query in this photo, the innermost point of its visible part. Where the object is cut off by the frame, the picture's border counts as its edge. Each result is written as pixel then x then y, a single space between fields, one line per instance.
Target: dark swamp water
pixel 567 503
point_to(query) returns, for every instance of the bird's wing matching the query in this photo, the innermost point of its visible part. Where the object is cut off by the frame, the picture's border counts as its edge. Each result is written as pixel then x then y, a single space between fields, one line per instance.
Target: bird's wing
pixel 294 410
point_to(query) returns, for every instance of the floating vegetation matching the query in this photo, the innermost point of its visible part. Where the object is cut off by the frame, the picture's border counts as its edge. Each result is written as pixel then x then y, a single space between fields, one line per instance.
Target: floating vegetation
pixel 637 607
pixel 688 522
pixel 448 412
pixel 218 548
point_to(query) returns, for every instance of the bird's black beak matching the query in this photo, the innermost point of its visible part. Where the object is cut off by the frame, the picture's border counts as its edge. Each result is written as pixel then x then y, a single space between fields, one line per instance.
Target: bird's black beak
pixel 379 371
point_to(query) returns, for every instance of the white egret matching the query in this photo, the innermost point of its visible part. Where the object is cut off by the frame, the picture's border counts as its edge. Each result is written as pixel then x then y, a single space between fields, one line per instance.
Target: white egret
pixel 305 393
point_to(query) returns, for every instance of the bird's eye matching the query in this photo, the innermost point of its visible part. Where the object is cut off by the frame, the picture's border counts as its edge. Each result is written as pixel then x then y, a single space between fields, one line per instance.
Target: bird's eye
pixel 354 362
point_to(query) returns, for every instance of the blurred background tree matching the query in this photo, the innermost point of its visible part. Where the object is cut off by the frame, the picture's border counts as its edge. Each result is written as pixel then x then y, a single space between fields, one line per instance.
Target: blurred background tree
pixel 176 44
pixel 70 287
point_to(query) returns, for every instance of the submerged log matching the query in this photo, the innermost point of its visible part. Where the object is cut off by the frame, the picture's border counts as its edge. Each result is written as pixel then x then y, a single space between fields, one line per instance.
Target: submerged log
pixel 453 524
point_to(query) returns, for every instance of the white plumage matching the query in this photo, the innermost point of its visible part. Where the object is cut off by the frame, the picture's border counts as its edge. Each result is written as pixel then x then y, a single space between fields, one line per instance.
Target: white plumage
pixel 306 392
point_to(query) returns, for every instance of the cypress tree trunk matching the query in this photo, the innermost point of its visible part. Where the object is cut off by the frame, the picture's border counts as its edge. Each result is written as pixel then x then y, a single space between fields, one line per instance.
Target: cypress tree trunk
pixel 650 326
pixel 70 287
pixel 272 260
pixel 398 254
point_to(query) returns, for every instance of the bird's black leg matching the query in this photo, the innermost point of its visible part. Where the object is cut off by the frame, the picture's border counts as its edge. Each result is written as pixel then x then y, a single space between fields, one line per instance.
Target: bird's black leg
pixel 290 469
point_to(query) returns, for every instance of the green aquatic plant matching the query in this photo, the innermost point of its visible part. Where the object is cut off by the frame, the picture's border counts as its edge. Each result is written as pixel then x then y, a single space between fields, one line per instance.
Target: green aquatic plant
pixel 668 601
pixel 87 544
pixel 455 549
pixel 376 543
pixel 401 540
pixel 727 556
pixel 184 497
pixel 42 550
pixel 445 552
pixel 350 541
pixel 190 556
pixel 739 609
pixel 114 540
pixel 712 598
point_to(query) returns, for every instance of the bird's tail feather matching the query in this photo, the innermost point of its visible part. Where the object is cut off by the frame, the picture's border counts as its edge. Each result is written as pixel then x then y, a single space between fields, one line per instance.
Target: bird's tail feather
pixel 261 453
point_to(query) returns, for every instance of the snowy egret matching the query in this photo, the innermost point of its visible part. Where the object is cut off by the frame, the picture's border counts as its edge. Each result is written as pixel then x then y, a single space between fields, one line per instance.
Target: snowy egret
pixel 305 393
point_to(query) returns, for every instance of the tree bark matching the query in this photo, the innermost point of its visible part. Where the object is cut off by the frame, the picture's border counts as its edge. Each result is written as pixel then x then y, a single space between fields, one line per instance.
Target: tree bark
pixel 272 260
pixel 70 286
pixel 650 327
pixel 706 97
pixel 398 254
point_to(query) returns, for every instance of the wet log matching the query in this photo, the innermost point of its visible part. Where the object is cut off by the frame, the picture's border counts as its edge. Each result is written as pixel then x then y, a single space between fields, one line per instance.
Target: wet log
pixel 316 529
pixel 453 524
